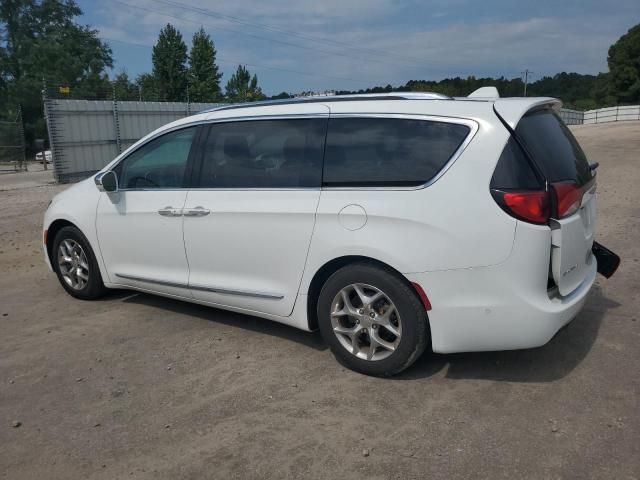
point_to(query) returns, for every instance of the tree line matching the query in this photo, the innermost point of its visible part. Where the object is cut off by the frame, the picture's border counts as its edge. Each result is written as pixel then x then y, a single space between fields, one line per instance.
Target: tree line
pixel 41 43
pixel 179 75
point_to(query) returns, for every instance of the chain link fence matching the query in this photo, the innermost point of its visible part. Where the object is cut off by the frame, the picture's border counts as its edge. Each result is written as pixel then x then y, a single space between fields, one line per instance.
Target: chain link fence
pixel 12 144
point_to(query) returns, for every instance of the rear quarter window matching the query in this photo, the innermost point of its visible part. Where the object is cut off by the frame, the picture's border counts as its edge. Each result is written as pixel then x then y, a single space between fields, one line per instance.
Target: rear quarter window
pixel 553 147
pixel 388 151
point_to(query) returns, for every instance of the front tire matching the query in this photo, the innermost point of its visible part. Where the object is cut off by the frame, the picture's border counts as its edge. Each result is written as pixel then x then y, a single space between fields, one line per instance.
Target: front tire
pixel 75 265
pixel 372 320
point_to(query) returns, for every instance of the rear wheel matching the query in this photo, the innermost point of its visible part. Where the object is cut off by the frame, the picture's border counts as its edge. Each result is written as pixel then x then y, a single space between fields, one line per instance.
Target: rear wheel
pixel 75 265
pixel 372 320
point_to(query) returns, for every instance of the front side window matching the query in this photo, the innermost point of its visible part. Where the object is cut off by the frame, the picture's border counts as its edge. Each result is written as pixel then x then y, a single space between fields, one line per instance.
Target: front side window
pixel 283 153
pixel 161 163
pixel 388 151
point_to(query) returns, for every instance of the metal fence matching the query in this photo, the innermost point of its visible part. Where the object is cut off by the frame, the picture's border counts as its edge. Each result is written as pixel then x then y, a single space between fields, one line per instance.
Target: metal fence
pixel 85 135
pixel 12 144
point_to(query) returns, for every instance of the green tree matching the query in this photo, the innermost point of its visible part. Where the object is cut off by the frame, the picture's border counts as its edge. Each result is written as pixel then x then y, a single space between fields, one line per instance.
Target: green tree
pixel 169 58
pixel 624 67
pixel 124 88
pixel 204 75
pixel 41 40
pixel 242 87
pixel 148 87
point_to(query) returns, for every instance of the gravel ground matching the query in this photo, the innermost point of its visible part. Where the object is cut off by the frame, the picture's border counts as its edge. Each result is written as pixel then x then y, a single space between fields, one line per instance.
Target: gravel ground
pixel 146 387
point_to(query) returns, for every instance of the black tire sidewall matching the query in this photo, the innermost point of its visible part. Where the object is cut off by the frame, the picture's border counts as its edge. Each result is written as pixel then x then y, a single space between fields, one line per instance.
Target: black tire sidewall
pixel 95 287
pixel 412 314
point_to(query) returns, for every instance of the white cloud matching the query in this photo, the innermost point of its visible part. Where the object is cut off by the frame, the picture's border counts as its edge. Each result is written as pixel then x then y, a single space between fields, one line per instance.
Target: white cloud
pixel 366 41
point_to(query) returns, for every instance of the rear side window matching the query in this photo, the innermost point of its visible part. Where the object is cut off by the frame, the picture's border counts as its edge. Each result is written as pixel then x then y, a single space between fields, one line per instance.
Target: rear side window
pixel 388 151
pixel 263 154
pixel 513 170
pixel 553 147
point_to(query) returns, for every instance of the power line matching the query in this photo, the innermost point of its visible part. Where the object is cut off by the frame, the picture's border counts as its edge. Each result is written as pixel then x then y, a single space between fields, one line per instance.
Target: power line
pixel 238 62
pixel 378 53
pixel 240 32
pixel 263 26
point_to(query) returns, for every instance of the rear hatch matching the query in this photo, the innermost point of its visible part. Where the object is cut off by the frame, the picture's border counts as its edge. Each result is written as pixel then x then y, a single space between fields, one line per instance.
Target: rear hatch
pixel 570 182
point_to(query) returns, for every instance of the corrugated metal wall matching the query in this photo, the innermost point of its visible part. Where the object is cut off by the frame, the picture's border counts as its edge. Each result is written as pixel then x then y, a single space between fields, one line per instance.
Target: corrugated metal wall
pixel 85 135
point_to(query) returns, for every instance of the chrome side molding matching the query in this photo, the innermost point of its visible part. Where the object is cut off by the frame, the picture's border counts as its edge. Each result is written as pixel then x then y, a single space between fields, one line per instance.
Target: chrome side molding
pixel 203 288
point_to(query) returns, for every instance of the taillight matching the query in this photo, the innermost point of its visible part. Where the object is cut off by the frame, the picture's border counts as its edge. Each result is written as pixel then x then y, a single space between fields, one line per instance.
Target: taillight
pixel 568 198
pixel 530 205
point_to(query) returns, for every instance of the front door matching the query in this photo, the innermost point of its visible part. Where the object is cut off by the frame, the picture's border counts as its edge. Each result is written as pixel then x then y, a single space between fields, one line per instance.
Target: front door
pixel 249 217
pixel 140 225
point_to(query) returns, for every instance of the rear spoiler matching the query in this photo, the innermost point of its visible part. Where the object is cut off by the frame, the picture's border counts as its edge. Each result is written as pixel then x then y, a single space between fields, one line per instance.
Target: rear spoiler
pixel 511 110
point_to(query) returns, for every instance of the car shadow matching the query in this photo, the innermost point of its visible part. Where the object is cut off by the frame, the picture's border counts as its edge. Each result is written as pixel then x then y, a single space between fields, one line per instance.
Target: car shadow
pixel 550 362
pixel 237 320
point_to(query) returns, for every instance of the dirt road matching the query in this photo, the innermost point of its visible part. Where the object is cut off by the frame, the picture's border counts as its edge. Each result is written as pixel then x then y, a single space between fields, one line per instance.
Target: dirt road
pixel 135 386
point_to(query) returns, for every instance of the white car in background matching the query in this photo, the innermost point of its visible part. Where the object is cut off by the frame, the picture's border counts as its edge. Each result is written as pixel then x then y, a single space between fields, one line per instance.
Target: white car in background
pixel 47 155
pixel 392 223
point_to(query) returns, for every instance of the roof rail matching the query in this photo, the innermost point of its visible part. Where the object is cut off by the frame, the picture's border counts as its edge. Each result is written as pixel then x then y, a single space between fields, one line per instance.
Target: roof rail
pixel 337 98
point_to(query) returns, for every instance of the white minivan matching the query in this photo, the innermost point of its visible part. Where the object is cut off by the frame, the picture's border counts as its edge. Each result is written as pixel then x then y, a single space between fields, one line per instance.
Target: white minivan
pixel 392 223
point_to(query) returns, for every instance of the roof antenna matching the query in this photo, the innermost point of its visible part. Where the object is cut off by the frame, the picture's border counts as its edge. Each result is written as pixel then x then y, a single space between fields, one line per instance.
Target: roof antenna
pixel 485 93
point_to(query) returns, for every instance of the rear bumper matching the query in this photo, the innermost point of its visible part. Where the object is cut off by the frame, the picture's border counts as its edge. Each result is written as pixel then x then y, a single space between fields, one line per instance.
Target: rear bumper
pixel 503 307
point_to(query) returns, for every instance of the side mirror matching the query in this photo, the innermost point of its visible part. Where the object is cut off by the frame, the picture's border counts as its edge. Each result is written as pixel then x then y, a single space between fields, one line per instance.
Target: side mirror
pixel 107 182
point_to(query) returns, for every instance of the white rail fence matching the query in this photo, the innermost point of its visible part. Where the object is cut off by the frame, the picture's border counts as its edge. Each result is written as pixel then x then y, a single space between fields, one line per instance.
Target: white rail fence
pixel 600 115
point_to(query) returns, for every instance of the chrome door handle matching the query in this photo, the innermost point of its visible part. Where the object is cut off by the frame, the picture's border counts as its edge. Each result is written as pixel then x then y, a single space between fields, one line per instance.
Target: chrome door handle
pixel 170 212
pixel 196 212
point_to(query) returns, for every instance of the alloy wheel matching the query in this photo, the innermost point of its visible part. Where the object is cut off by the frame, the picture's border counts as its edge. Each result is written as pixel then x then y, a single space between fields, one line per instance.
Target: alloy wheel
pixel 73 263
pixel 366 322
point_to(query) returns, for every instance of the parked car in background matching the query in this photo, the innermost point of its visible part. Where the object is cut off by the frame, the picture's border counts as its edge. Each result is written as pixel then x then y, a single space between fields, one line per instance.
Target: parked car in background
pixel 392 223
pixel 47 155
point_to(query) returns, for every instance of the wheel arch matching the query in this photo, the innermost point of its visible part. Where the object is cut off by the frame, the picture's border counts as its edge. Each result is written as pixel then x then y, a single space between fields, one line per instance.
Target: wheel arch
pixel 332 266
pixel 53 230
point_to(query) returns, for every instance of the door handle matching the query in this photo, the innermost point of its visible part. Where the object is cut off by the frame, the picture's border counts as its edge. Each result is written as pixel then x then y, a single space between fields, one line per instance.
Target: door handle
pixel 196 212
pixel 170 212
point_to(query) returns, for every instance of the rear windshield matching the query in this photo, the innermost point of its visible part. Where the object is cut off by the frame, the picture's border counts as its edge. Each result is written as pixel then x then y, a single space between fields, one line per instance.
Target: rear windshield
pixel 553 147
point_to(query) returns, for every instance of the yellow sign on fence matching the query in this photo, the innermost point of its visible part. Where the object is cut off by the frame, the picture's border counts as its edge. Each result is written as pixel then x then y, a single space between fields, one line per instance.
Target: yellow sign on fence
pixel 64 90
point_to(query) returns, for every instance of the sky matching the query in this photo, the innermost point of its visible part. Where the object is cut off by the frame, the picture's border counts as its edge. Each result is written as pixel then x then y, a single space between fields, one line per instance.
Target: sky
pixel 318 45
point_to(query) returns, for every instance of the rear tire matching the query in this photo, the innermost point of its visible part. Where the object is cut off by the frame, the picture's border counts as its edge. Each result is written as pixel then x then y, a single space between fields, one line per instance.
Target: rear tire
pixel 372 320
pixel 75 265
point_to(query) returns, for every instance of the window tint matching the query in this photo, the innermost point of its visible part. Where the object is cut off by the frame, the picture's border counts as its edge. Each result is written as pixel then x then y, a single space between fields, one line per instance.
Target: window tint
pixel 161 163
pixel 388 151
pixel 553 147
pixel 513 170
pixel 264 154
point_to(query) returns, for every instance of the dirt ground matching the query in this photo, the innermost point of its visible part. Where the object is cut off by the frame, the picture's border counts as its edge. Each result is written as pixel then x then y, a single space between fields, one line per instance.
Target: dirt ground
pixel 146 387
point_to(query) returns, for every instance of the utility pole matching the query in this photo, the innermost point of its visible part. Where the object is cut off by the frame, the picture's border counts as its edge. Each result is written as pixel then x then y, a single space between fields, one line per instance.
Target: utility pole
pixel 526 74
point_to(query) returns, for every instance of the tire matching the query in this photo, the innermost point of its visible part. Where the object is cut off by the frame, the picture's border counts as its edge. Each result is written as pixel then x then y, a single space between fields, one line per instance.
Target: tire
pixel 87 285
pixel 406 330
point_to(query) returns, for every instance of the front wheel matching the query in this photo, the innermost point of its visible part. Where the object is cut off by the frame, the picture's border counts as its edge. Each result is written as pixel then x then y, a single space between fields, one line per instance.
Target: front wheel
pixel 75 265
pixel 372 320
